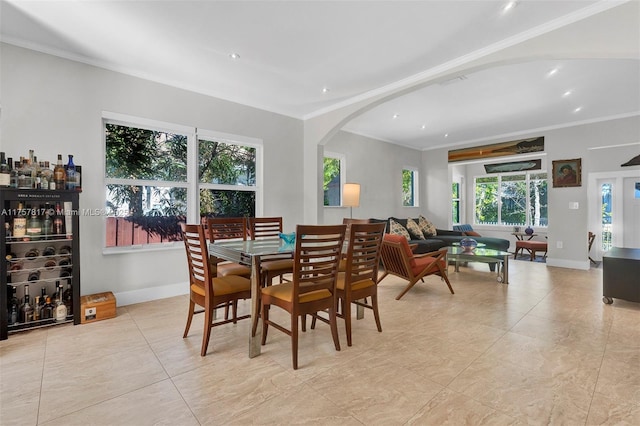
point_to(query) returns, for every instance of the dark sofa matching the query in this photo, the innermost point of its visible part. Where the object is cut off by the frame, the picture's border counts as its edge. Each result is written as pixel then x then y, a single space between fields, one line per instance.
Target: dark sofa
pixel 444 238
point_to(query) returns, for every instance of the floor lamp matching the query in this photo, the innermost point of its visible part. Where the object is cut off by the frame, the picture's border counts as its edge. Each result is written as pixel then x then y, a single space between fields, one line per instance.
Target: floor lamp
pixel 351 196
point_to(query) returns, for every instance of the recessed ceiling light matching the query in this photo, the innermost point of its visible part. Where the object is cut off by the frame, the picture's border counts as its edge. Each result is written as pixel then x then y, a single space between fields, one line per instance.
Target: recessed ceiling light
pixel 424 126
pixel 577 109
pixel 396 115
pixel 325 90
pixel 446 135
pixel 553 71
pixel 567 93
pixel 234 55
pixel 510 5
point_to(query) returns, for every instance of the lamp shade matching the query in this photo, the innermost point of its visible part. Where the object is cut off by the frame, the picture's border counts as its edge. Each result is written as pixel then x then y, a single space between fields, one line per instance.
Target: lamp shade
pixel 351 195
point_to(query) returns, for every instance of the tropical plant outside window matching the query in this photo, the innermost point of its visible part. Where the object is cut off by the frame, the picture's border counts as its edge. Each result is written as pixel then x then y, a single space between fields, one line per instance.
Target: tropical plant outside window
pixel 333 179
pixel 455 200
pixel 147 186
pixel 514 200
pixel 409 188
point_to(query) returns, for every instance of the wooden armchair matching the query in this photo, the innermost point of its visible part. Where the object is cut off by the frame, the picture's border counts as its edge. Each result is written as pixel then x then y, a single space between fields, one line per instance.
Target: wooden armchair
pixel 399 260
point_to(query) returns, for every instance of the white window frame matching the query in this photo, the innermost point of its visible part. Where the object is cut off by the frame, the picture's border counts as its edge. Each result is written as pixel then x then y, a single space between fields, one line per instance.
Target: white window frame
pixel 415 180
pixel 192 183
pixel 343 165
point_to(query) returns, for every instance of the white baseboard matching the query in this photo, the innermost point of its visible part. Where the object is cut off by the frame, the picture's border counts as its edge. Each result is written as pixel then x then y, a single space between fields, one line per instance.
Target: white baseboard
pixel 571 264
pixel 151 293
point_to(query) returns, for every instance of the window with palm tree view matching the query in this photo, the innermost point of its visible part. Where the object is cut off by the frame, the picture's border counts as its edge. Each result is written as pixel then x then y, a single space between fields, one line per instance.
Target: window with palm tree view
pixel 147 185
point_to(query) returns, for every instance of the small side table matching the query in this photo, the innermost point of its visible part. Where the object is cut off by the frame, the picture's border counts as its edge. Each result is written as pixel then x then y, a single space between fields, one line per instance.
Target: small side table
pixel 520 236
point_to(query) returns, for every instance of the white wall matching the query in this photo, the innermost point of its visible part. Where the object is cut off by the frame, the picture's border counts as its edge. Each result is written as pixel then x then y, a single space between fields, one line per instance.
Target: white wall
pixel 566 225
pixel 53 105
pixel 377 166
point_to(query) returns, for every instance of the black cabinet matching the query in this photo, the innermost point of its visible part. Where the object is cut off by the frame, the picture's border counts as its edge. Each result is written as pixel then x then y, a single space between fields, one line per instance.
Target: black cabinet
pixel 41 248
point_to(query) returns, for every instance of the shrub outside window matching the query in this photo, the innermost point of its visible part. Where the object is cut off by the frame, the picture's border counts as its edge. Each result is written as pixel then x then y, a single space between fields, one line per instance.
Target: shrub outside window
pixel 511 199
pixel 410 188
pixel 333 172
pixel 148 189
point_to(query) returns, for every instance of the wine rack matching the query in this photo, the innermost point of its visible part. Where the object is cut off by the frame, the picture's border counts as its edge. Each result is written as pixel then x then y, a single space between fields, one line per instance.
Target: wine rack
pixel 38 260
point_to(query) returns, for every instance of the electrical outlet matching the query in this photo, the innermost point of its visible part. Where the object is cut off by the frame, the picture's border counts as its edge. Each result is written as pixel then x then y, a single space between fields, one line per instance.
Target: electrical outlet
pixel 559 244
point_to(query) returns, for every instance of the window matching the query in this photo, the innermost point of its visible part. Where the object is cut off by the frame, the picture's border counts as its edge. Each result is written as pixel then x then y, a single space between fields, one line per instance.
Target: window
pixel 410 188
pixel 333 179
pixel 511 199
pixel 455 200
pixel 149 188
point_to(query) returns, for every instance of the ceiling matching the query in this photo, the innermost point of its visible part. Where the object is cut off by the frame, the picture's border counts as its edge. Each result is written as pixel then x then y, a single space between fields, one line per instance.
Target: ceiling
pixel 289 51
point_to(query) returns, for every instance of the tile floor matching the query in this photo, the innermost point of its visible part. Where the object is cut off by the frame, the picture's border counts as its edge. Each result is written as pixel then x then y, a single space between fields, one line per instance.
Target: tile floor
pixel 542 350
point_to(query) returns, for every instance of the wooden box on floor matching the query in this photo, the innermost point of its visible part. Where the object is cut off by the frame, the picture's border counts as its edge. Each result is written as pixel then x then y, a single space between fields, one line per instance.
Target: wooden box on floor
pixel 96 307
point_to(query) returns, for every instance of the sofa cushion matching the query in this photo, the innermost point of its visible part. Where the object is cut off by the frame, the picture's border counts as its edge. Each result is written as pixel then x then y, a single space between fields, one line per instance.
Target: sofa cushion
pixel 423 262
pixel 472 234
pixel 396 228
pixel 428 228
pixel 414 230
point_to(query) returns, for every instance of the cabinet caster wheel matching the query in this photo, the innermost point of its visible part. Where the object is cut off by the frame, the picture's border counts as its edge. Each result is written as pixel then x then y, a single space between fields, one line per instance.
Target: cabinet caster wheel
pixel 607 300
pixel 500 278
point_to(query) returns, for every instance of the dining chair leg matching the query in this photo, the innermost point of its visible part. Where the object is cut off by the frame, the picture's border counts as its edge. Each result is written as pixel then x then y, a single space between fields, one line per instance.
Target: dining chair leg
pixel 208 319
pixel 294 340
pixel 376 313
pixel 192 306
pixel 235 311
pixel 333 321
pixel 346 315
pixel 265 323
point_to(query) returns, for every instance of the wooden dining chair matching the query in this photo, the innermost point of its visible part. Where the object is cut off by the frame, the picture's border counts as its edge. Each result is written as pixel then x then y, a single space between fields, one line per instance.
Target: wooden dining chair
pixel 227 228
pixel 590 240
pixel 209 291
pixel 399 260
pixel 360 279
pixel 348 221
pixel 313 284
pixel 277 266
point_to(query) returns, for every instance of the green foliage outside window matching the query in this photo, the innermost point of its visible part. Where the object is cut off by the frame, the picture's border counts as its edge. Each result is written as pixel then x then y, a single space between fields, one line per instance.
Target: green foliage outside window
pixel 331 182
pixel 408 195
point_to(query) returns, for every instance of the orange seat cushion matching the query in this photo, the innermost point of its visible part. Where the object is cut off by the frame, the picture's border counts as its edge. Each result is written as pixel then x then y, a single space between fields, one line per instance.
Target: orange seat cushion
pixel 277 265
pixel 355 285
pixel 225 285
pixel 421 264
pixel 285 292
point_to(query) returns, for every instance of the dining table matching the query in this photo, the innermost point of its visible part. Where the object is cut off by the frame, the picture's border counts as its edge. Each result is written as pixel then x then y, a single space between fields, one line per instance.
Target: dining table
pixel 252 253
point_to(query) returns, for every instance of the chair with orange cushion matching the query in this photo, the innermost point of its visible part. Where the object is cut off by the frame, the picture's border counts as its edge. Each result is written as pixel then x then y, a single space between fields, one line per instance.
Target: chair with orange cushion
pixel 313 285
pixel 399 260
pixel 359 281
pixel 209 291
pixel 227 228
pixel 276 266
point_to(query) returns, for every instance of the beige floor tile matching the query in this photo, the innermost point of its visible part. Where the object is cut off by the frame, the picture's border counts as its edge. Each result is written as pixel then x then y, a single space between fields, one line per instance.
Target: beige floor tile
pixel 542 350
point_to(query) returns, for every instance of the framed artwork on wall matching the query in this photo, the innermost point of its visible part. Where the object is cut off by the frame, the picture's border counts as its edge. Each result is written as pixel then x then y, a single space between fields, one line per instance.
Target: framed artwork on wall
pixel 567 173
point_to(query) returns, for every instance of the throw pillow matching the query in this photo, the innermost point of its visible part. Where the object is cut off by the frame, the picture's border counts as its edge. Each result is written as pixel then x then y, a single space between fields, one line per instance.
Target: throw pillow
pixel 414 230
pixel 472 234
pixel 397 229
pixel 428 229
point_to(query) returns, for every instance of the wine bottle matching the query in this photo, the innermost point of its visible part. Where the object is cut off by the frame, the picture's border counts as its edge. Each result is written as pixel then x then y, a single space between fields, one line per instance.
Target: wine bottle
pixel 36 309
pixel 59 174
pixel 20 222
pixel 13 305
pixel 34 225
pixel 61 308
pixel 13 174
pixel 46 312
pixel 26 311
pixel 5 172
pixel 68 298
pixel 71 174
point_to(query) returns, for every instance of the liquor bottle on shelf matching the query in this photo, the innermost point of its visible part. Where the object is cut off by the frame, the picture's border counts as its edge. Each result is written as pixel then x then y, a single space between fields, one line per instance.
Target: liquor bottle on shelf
pixel 59 174
pixel 71 174
pixel 46 312
pixel 13 174
pixel 58 221
pixel 61 308
pixel 34 225
pixel 47 176
pixel 36 309
pixel 68 297
pixel 5 172
pixel 20 222
pixel 13 304
pixel 26 310
pixel 47 224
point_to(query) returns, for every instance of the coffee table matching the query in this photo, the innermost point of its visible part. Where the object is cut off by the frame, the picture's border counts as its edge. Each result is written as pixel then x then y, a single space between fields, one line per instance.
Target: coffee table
pixel 482 255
